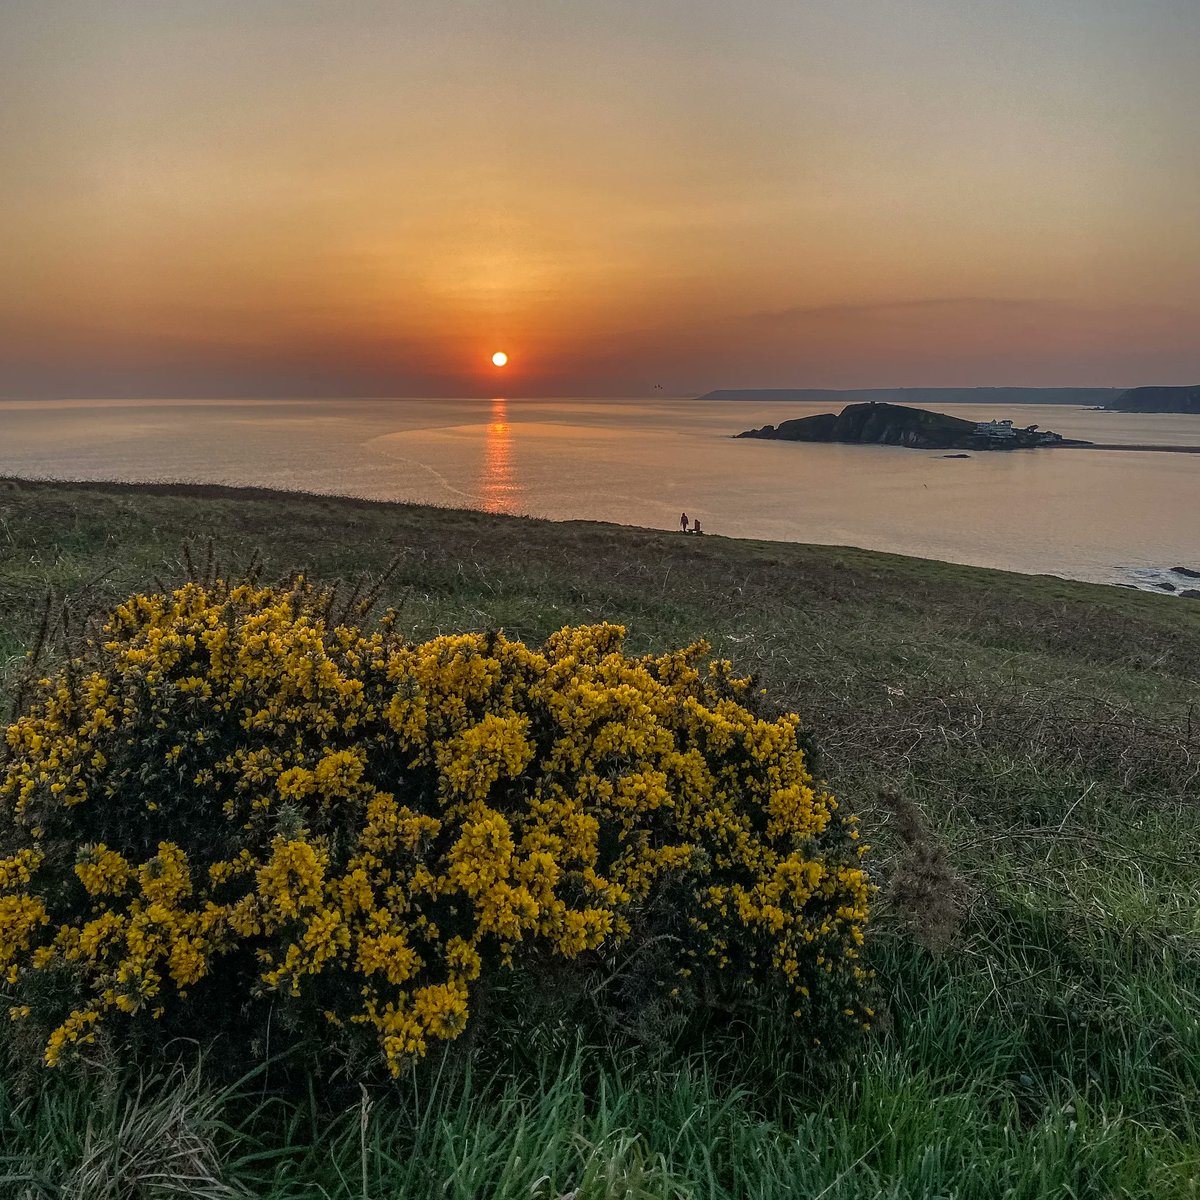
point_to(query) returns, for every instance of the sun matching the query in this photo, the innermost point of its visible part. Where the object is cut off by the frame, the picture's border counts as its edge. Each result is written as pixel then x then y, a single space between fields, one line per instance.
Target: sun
pixel 499 359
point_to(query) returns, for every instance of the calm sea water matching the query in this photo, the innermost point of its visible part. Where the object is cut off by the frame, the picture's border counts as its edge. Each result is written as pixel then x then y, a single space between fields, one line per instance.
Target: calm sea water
pixel 1107 516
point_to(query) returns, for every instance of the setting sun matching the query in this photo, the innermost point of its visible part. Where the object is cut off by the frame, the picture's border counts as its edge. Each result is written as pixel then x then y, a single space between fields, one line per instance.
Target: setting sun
pixel 499 359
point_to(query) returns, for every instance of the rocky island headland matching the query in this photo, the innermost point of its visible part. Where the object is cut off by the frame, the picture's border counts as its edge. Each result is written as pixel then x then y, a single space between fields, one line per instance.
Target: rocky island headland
pixel 918 428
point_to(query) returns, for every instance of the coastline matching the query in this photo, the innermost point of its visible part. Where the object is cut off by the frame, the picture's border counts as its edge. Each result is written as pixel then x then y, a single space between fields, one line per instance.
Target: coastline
pixel 608 535
pixel 641 464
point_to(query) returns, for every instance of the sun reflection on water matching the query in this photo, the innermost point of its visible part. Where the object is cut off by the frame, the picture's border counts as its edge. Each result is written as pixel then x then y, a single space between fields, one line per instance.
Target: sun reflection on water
pixel 498 489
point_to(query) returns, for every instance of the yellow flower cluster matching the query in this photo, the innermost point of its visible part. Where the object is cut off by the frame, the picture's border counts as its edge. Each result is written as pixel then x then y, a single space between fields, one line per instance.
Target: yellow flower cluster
pixel 230 794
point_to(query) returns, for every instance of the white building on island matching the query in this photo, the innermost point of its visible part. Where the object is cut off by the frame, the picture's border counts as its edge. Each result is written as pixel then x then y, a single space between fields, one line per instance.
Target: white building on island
pixel 996 430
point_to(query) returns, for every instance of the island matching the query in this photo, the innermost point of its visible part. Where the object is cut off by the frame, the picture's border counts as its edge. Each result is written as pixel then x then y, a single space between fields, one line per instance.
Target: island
pixel 1158 400
pixel 917 428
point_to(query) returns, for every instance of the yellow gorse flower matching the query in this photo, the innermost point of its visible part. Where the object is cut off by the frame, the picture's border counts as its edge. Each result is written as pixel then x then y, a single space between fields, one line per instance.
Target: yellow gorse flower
pixel 102 871
pixel 228 771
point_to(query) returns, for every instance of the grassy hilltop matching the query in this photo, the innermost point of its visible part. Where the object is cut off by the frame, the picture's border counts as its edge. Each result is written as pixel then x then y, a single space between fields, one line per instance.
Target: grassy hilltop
pixel 1036 940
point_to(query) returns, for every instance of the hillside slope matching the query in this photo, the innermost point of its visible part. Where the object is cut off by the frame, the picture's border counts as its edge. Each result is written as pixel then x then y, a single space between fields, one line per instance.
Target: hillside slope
pixel 1036 942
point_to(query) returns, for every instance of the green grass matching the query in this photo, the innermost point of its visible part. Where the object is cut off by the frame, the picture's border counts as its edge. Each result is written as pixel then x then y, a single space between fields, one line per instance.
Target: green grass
pixel 600 1125
pixel 1038 934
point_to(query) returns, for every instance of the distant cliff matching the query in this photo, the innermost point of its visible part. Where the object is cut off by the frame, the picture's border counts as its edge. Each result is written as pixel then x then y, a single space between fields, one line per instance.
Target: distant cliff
pixel 1158 400
pixel 896 425
pixel 978 395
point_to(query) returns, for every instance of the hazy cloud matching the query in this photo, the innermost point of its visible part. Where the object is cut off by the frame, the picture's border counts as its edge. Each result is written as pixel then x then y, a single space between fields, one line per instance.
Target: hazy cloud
pixel 976 306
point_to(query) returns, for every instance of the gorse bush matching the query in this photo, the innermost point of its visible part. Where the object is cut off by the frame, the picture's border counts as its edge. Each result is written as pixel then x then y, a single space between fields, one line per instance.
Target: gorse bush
pixel 228 808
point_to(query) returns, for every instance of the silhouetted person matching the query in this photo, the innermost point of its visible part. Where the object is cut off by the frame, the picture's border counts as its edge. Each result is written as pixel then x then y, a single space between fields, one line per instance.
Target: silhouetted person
pixel 683 523
pixel 696 526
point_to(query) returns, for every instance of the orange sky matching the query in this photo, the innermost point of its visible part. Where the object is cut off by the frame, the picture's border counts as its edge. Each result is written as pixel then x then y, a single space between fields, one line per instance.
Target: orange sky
pixel 286 196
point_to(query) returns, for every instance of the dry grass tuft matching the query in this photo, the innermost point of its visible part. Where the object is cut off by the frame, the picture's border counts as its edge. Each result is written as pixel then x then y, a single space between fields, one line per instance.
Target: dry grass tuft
pixel 922 890
pixel 159 1141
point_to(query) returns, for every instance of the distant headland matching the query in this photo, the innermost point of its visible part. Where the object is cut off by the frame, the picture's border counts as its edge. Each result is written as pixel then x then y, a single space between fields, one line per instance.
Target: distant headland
pixel 1158 400
pixel 1102 397
pixel 917 428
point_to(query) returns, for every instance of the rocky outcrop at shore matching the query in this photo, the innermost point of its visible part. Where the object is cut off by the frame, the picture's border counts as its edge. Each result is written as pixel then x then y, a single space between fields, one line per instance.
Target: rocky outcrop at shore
pixel 899 425
pixel 1183 582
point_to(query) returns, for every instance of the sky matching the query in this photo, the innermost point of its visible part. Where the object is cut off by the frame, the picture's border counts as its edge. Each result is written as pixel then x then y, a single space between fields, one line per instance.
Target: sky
pixel 292 197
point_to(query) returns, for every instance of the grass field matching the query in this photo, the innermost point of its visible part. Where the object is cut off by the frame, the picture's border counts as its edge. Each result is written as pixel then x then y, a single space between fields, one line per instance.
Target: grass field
pixel 1037 940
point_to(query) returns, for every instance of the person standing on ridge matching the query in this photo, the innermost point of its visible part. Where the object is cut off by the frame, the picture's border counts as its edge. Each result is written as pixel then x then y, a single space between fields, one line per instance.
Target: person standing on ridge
pixel 683 523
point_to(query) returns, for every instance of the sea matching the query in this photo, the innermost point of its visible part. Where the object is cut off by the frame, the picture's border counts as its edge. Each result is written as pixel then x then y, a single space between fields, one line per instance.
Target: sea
pixel 1109 516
